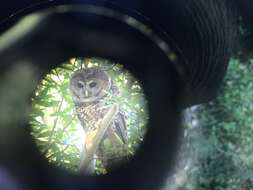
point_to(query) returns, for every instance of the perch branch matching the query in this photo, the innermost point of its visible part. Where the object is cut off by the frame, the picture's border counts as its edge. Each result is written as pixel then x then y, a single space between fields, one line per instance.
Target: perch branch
pixel 88 154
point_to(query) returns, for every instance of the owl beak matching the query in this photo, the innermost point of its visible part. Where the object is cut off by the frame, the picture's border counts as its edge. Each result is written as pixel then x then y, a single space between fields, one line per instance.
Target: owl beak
pixel 86 93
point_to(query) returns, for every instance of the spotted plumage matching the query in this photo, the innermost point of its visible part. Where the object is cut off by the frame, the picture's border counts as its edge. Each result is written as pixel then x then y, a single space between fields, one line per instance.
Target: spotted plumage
pixel 89 88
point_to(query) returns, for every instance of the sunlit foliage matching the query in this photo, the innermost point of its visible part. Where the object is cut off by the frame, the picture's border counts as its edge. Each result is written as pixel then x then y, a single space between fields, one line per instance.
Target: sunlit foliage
pixel 55 126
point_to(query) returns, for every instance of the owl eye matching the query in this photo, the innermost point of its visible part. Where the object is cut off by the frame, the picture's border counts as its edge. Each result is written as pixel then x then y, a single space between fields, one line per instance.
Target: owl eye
pixel 92 84
pixel 80 85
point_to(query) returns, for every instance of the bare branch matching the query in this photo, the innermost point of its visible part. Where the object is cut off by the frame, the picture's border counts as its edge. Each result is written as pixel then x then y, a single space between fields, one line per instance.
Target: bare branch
pixel 88 154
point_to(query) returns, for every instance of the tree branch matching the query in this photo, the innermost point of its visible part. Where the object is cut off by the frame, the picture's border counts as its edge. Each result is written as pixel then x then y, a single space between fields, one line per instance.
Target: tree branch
pixel 88 154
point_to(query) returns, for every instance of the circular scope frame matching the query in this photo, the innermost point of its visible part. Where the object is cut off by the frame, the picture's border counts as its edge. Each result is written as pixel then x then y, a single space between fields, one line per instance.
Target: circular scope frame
pixel 56 34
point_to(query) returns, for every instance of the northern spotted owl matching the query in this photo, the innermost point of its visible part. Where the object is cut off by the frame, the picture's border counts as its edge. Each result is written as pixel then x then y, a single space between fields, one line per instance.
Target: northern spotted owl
pixel 90 88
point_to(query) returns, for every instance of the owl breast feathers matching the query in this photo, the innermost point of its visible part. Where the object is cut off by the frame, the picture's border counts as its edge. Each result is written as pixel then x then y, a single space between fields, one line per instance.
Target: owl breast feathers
pixel 90 115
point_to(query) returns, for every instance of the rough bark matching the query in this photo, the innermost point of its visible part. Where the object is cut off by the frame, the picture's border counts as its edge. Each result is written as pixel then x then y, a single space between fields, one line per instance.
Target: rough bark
pixel 88 154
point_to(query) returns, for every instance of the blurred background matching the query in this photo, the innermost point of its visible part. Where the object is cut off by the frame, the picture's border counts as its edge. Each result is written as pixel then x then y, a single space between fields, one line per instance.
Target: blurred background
pixel 217 151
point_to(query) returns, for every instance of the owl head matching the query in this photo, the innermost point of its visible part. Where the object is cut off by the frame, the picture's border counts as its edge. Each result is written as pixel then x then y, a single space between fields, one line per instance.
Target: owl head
pixel 89 85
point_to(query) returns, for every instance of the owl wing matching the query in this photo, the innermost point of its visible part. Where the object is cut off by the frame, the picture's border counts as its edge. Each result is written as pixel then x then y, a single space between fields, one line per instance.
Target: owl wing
pixel 120 127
